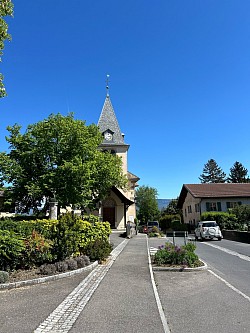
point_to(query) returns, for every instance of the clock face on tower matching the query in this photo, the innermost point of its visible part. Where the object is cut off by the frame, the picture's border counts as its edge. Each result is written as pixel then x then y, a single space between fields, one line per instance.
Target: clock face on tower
pixel 108 136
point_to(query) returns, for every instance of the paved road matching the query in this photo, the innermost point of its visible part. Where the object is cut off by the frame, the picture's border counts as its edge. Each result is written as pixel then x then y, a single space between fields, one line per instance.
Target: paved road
pixel 216 300
pixel 205 301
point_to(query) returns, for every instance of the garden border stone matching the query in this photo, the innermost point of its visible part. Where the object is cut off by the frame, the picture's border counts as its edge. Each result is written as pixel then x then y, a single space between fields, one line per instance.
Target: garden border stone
pixel 31 282
pixel 180 269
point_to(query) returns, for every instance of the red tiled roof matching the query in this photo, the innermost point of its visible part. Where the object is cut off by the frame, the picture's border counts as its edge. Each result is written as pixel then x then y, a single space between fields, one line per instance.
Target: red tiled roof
pixel 219 190
pixel 214 190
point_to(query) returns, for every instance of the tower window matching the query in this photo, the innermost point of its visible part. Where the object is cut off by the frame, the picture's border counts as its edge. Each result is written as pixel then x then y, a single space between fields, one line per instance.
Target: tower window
pixel 111 151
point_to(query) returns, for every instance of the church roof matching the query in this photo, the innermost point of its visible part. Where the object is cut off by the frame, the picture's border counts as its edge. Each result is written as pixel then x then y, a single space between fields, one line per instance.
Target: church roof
pixel 108 122
pixel 132 177
pixel 121 196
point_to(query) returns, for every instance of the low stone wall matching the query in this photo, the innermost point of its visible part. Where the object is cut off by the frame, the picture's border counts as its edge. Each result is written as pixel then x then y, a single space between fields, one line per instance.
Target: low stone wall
pixel 238 236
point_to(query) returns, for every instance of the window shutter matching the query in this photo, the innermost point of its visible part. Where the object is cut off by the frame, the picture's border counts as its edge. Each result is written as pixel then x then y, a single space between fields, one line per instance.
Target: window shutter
pixel 207 206
pixel 219 206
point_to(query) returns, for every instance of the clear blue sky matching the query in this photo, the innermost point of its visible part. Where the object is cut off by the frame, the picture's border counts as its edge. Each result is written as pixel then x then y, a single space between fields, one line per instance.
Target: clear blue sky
pixel 179 78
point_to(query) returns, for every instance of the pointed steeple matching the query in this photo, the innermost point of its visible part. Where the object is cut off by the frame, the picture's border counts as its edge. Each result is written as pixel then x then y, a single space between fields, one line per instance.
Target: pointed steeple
pixel 108 123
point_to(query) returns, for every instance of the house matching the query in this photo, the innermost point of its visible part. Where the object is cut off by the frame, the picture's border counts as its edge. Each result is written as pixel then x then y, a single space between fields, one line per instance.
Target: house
pixel 196 199
pixel 119 207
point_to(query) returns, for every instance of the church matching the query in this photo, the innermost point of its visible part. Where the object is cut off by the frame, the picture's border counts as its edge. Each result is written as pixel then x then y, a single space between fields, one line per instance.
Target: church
pixel 119 206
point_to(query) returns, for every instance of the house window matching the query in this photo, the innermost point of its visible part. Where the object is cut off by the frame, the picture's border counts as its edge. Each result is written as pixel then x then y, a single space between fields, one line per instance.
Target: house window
pixel 197 208
pixel 185 212
pixel 189 209
pixel 213 206
pixel 233 204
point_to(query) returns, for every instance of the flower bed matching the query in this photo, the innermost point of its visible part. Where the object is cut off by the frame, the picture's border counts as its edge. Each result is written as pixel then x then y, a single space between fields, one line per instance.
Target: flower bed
pixel 170 255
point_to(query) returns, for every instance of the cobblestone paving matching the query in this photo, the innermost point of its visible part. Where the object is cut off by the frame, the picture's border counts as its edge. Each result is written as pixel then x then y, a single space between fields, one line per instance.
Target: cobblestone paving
pixel 63 317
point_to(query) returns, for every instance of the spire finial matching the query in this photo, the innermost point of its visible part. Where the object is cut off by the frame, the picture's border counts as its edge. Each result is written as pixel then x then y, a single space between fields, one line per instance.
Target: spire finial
pixel 107 84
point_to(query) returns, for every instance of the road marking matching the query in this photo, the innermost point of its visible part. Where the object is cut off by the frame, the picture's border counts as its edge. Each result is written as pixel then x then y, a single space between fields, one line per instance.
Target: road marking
pixel 158 301
pixel 153 250
pixel 230 286
pixel 64 316
pixel 241 256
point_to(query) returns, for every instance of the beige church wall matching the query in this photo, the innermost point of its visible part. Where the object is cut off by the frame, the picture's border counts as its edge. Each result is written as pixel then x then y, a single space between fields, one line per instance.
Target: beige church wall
pixel 131 213
pixel 119 210
pixel 123 155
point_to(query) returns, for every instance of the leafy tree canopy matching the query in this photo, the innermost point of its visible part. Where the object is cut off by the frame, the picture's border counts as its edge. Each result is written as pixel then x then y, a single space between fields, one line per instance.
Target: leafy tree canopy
pixel 238 174
pixel 6 9
pixel 59 156
pixel 172 208
pixel 212 173
pixel 242 213
pixel 146 201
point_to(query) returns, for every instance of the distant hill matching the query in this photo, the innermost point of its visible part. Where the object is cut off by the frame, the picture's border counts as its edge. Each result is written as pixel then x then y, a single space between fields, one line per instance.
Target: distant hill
pixel 163 203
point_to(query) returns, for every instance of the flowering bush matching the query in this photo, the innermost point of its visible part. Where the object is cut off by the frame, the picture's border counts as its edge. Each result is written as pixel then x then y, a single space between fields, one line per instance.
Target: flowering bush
pixel 177 255
pixel 155 232
pixel 37 250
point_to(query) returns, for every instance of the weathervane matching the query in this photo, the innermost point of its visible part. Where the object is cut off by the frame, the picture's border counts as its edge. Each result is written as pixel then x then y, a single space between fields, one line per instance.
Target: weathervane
pixel 107 84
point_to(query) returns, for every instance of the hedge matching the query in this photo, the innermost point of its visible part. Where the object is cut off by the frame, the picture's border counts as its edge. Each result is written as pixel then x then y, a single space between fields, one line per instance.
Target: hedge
pixel 26 244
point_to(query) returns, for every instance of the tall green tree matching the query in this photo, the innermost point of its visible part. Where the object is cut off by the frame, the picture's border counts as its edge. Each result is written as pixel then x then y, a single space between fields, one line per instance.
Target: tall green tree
pixel 242 213
pixel 59 157
pixel 238 174
pixel 146 201
pixel 212 173
pixel 172 208
pixel 6 9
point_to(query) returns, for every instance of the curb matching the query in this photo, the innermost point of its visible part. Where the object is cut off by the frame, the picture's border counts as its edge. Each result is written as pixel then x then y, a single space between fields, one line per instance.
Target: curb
pixel 181 269
pixel 19 284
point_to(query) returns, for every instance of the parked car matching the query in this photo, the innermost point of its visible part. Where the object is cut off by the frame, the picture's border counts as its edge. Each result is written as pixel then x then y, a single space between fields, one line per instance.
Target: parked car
pixel 148 228
pixel 207 230
pixel 141 227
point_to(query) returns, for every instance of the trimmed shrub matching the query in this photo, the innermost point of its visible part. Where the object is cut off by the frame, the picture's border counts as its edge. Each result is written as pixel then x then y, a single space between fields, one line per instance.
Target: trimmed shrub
pixel 4 276
pixel 61 266
pixel 82 261
pixel 178 226
pixel 11 250
pixel 165 221
pixel 46 241
pixel 25 228
pixel 47 269
pixel 72 264
pixel 99 249
pixel 224 220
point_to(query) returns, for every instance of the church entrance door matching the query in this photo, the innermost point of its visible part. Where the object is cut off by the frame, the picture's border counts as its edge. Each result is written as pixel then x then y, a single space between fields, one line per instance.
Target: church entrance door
pixel 109 215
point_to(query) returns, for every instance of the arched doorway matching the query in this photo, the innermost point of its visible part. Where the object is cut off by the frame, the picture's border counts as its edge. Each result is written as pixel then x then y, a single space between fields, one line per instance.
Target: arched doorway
pixel 108 211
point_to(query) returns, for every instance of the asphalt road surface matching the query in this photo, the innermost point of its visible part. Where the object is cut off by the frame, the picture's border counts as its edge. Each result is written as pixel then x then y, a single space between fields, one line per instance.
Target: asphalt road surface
pixel 215 300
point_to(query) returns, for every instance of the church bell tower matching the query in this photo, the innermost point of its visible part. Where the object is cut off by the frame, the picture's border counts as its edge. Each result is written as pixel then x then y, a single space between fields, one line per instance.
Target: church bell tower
pixel 119 206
